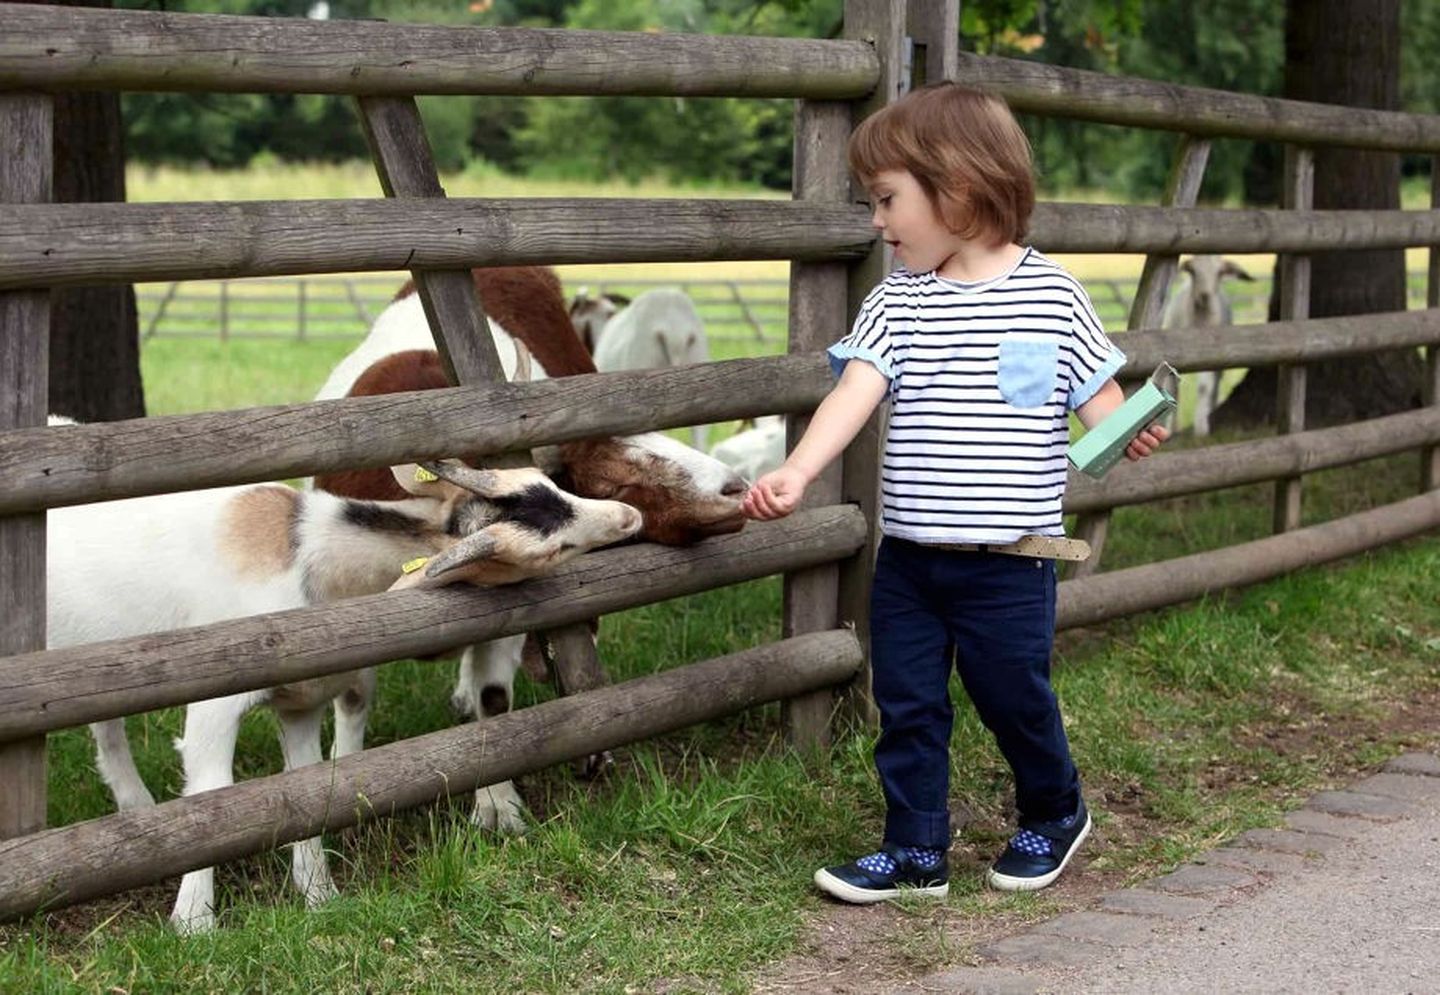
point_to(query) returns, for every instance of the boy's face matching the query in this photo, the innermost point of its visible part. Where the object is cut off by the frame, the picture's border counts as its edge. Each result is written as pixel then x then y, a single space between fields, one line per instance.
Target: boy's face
pixel 908 221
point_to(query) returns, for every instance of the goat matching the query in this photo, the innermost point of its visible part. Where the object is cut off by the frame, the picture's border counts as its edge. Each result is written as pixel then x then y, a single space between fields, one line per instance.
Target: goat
pixel 1200 303
pixel 230 552
pixel 756 450
pixel 683 495
pixel 658 329
pixel 589 315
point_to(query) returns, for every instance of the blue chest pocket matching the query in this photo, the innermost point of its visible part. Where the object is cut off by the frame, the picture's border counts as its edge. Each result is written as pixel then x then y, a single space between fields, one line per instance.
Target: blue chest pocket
pixel 1027 371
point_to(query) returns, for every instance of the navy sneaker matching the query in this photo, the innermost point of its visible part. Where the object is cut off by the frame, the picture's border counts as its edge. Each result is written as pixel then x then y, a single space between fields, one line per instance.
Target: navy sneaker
pixel 890 873
pixel 1039 852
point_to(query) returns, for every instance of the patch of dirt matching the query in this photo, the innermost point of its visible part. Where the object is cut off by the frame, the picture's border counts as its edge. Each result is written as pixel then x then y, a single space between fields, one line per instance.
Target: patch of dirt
pixel 862 950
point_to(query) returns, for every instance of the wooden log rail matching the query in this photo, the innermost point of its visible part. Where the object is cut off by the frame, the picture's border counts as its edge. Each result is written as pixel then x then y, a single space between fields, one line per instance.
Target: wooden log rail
pixel 59 867
pixel 1082 95
pixel 78 464
pixel 1172 474
pixel 70 244
pixel 84 49
pixel 53 467
pixel 1155 585
pixel 60 688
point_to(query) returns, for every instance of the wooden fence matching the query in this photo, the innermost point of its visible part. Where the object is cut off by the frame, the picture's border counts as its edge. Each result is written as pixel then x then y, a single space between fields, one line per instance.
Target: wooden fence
pixel 824 550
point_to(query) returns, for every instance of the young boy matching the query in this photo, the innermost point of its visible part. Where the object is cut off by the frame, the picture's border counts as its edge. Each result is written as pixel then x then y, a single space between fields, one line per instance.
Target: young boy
pixel 982 346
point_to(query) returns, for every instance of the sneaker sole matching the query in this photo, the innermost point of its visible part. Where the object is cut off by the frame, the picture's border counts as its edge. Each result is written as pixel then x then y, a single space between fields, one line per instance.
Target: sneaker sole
pixel 836 888
pixel 1004 882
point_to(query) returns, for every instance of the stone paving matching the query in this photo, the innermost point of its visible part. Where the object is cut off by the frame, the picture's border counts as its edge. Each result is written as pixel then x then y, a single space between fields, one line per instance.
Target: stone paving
pixel 1395 811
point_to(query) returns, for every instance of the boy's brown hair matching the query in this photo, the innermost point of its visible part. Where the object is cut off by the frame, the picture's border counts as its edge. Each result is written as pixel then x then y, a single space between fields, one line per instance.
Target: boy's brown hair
pixel 967 152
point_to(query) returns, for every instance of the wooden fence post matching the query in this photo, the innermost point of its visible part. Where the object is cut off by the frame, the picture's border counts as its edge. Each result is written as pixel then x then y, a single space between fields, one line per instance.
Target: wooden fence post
pixel 817 317
pixel 1297 194
pixel 1430 455
pixel 883 24
pixel 27 121
pixel 453 308
pixel 1181 190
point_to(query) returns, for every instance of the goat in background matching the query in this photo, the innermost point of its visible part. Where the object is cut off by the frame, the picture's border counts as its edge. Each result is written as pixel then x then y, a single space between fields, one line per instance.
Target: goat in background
pixel 1199 302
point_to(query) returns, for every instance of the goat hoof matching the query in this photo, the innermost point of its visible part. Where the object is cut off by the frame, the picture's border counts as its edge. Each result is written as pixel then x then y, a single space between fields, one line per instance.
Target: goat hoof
pixel 594 766
pixel 460 708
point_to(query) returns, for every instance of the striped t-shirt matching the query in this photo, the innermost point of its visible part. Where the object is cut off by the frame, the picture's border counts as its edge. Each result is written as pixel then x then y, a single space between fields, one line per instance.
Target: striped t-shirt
pixel 982 376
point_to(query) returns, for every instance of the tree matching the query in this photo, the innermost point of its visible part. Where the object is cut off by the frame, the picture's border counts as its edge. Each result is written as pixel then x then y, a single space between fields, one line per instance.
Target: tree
pixel 1344 52
pixel 94 337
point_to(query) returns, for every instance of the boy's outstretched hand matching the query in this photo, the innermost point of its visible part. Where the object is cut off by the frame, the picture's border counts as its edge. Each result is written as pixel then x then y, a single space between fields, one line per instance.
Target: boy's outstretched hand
pixel 1146 442
pixel 774 495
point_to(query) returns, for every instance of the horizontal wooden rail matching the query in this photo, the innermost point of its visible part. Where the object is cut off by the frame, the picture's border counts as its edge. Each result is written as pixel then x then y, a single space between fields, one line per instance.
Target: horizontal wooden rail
pixel 59 688
pixel 1105 596
pixel 107 243
pixel 1276 342
pixel 1125 100
pixel 1171 474
pixel 59 867
pixel 76 49
pixel 77 464
pixel 44 467
pixel 62 244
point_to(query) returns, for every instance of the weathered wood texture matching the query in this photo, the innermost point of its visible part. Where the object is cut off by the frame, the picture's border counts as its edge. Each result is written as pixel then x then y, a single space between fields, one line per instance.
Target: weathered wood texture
pixel 881 24
pixel 65 687
pixel 64 244
pixel 452 306
pixel 1172 474
pixel 50 467
pixel 102 856
pixel 934 26
pixel 27 121
pixel 1297 194
pixel 1430 456
pixel 1090 96
pixel 1278 341
pixel 142 50
pixel 1155 585
pixel 817 317
pixel 1181 190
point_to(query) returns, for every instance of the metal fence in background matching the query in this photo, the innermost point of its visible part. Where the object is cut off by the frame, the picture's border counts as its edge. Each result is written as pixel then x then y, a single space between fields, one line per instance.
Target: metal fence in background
pixel 344 307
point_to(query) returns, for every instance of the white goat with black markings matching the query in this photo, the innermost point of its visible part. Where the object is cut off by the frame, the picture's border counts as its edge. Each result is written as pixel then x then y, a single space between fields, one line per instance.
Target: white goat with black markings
pixel 150 564
pixel 1199 302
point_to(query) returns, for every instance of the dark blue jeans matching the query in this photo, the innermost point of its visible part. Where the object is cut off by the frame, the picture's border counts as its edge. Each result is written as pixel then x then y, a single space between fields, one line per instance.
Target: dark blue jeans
pixel 994 616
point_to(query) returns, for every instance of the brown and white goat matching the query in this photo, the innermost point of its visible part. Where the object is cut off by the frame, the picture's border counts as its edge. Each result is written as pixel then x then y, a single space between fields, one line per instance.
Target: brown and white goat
pixel 151 564
pixel 682 494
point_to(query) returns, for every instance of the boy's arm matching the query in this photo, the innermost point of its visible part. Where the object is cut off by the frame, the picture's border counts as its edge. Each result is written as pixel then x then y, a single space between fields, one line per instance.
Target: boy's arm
pixel 836 421
pixel 1103 403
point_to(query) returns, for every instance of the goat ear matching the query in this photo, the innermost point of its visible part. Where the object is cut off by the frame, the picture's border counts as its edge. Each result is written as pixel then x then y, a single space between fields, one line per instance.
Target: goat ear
pixel 421 480
pixel 485 483
pixel 619 300
pixel 1234 269
pixel 580 301
pixel 1185 267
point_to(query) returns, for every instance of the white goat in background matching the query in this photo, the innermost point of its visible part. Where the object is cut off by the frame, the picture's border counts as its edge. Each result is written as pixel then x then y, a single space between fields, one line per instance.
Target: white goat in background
pixel 151 564
pixel 756 450
pixel 659 328
pixel 1199 302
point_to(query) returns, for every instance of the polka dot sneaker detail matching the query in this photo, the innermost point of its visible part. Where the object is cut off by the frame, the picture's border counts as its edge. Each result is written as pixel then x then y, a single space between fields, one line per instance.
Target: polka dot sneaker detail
pixel 890 873
pixel 1038 853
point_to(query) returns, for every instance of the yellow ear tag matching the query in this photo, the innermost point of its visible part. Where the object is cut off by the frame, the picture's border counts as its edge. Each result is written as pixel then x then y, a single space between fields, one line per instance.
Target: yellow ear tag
pixel 424 476
pixel 414 564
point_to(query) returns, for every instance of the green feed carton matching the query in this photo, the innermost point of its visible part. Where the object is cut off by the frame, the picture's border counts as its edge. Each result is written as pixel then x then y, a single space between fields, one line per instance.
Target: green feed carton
pixel 1101 448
